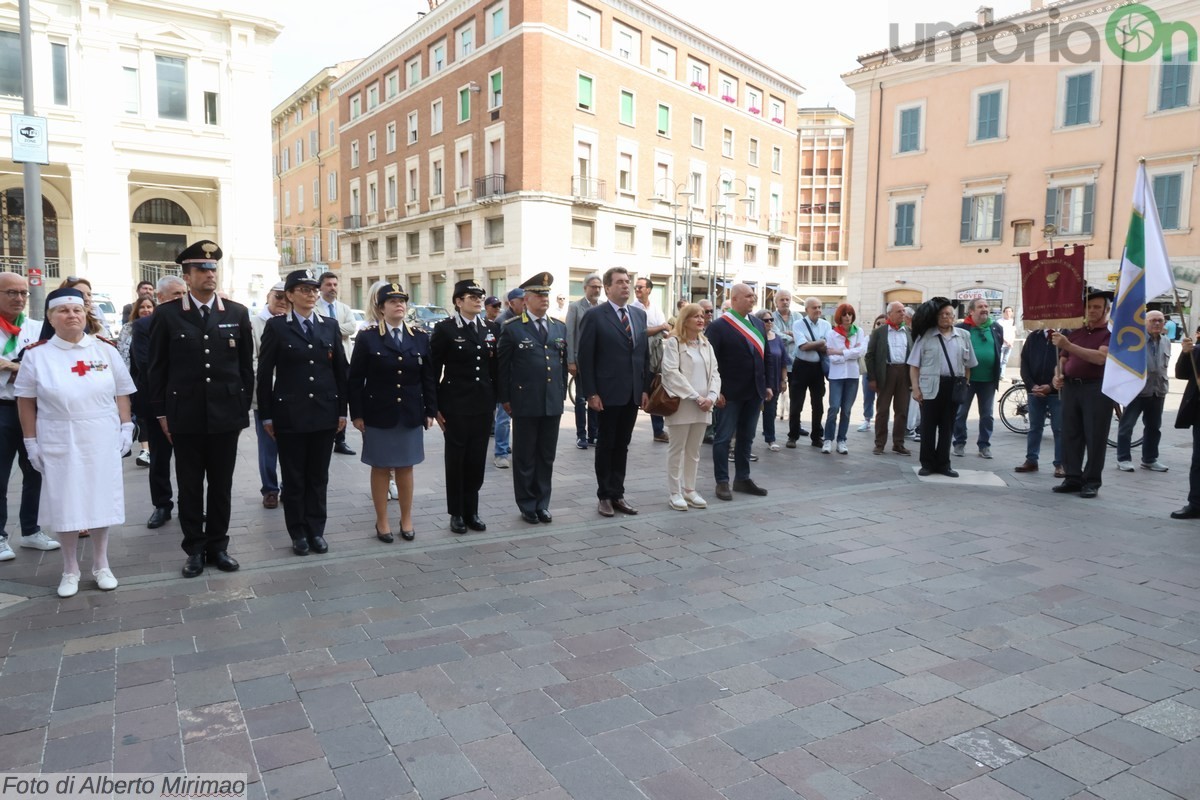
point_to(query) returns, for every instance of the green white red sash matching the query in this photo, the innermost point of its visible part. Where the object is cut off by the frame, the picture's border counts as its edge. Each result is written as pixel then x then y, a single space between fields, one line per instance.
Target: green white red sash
pixel 747 329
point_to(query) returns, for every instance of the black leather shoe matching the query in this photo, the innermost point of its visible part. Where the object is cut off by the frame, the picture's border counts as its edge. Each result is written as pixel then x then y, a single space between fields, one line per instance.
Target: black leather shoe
pixel 318 545
pixel 1066 488
pixel 544 516
pixel 749 487
pixel 475 523
pixel 159 518
pixel 386 538
pixel 949 473
pixel 1089 492
pixel 1187 512
pixel 623 507
pixel 300 547
pixel 224 562
pixel 924 472
pixel 723 492
pixel 194 565
pixel 342 449
pixel 408 536
pixel 529 517
pixel 457 525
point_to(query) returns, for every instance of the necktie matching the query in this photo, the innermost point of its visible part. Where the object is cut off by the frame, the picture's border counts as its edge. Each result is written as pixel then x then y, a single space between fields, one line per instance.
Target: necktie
pixel 541 329
pixel 204 313
pixel 332 313
pixel 396 336
pixel 308 329
pixel 625 322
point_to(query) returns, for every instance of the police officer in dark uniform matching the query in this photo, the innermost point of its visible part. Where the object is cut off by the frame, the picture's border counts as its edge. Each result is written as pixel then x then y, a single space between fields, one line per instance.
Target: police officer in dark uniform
pixel 464 356
pixel 201 376
pixel 533 388
pixel 302 403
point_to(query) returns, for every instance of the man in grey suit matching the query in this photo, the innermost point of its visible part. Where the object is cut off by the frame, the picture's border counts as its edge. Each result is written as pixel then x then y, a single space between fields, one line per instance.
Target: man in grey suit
pixel 585 418
pixel 613 363
pixel 329 306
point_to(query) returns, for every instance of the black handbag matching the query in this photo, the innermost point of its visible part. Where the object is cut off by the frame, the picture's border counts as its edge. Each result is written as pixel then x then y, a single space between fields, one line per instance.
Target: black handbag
pixel 824 358
pixel 960 392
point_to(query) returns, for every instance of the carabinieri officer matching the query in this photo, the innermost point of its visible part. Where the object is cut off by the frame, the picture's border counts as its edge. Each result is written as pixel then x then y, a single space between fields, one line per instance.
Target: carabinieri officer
pixel 532 389
pixel 464 356
pixel 302 403
pixel 201 379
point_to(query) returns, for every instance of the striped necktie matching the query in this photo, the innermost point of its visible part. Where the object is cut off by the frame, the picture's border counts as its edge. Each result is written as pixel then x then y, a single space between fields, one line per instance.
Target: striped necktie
pixel 625 322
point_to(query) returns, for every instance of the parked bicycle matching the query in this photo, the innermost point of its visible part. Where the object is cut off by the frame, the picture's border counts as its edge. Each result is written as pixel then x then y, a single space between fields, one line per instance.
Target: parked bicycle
pixel 1014 413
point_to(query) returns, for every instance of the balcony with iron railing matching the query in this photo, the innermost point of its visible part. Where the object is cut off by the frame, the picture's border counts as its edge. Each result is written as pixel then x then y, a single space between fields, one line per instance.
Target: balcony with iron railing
pixel 587 190
pixel 153 270
pixel 489 186
pixel 352 222
pixel 20 264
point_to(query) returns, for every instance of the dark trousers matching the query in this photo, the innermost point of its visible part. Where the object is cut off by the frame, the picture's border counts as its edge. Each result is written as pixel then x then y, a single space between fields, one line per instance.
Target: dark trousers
pixel 738 418
pixel 1150 410
pixel 768 418
pixel 806 378
pixel 892 392
pixel 937 426
pixel 1194 475
pixel 1087 415
pixel 304 461
pixel 11 445
pixel 586 420
pixel 612 450
pixel 161 449
pixel 268 458
pixel 466 453
pixel 534 442
pixel 199 456
pixel 656 425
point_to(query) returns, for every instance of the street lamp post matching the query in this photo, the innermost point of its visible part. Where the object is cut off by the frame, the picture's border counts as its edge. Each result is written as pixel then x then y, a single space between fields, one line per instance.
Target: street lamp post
pixel 676 267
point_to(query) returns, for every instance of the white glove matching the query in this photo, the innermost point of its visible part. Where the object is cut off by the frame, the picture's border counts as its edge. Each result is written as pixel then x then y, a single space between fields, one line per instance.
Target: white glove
pixel 34 451
pixel 126 438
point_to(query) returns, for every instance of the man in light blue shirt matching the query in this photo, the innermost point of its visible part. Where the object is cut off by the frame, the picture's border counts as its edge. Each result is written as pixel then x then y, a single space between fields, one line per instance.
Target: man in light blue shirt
pixel 807 376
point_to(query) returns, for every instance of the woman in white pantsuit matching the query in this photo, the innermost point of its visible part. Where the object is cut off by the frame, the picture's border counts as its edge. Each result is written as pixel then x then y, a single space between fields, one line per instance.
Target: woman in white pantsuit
pixel 689 372
pixel 73 399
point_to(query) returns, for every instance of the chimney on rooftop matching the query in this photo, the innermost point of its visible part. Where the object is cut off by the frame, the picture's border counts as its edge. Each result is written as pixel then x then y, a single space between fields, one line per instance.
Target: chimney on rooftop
pixel 984 15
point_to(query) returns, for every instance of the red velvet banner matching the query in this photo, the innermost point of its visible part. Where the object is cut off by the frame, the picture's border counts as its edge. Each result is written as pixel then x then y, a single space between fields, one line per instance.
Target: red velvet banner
pixel 1052 289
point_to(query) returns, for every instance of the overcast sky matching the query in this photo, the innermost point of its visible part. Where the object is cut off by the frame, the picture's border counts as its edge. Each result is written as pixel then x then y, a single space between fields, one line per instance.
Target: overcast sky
pixel 810 42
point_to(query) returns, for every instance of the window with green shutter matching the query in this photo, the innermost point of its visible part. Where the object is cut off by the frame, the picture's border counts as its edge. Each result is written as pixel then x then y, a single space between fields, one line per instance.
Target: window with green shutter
pixel 910 130
pixel 1078 110
pixel 464 104
pixel 664 120
pixel 584 94
pixel 988 121
pixel 1174 85
pixel 496 98
pixel 1168 189
pixel 626 107
pixel 906 215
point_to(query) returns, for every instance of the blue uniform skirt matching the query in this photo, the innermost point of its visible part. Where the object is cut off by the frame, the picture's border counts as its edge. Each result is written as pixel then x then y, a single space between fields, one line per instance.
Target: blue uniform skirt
pixel 389 448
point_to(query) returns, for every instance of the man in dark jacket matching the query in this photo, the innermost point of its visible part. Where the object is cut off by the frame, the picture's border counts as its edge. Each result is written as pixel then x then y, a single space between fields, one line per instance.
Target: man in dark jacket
pixel 987 339
pixel 738 340
pixel 1039 359
pixel 1186 369
pixel 887 375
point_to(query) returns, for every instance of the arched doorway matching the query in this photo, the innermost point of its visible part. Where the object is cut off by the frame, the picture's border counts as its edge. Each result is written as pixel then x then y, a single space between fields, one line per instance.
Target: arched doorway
pixel 158 238
pixel 13 247
pixel 909 297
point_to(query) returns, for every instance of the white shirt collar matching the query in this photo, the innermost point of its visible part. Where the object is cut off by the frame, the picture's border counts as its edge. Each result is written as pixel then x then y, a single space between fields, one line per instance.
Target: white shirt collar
pixel 63 344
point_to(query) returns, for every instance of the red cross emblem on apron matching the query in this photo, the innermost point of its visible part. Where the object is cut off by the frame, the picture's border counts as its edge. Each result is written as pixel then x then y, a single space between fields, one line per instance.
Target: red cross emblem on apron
pixel 80 368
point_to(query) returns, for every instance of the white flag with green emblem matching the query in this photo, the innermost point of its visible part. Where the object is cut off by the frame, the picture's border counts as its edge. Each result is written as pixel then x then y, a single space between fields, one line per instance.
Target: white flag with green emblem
pixel 1145 274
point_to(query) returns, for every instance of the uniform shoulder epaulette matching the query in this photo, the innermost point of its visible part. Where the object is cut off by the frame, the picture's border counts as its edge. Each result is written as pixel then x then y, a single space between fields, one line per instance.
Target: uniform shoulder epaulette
pixel 104 339
pixel 32 345
pixel 510 319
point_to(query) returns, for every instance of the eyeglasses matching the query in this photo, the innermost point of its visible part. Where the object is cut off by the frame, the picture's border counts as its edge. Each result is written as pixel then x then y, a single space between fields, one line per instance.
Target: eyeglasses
pixel 708 313
pixel 15 293
pixel 767 320
pixel 306 289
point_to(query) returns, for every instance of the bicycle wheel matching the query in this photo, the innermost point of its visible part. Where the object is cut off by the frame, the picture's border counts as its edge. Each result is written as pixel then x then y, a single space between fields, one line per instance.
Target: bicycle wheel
pixel 1116 424
pixel 1014 409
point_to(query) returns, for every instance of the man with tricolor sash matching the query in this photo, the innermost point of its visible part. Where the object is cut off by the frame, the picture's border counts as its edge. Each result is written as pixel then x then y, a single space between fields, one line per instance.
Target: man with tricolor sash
pixel 739 342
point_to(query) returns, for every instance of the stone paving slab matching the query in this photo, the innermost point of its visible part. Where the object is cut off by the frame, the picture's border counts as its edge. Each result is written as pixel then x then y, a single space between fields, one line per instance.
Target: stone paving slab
pixel 858 634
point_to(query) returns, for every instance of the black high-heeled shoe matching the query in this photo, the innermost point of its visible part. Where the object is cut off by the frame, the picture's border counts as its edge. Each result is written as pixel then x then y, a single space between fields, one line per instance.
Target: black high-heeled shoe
pixel 408 536
pixel 386 538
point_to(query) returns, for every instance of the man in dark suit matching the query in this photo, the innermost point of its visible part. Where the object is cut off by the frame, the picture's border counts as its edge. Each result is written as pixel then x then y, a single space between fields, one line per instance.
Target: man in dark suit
pixel 532 388
pixel 201 380
pixel 463 347
pixel 1186 369
pixel 887 375
pixel 169 288
pixel 585 418
pixel 738 340
pixel 614 375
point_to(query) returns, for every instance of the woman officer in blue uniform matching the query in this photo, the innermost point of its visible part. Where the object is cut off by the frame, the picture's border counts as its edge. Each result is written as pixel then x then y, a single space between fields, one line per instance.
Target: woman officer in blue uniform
pixel 393 401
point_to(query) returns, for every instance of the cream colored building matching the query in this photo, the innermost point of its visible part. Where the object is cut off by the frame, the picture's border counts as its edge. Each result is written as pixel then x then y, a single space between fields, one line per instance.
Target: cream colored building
pixel 150 111
pixel 495 140
pixel 306 158
pixel 823 192
pixel 959 166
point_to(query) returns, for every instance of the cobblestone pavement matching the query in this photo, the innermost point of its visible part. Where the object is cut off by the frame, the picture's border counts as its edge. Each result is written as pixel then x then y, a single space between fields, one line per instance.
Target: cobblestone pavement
pixel 859 633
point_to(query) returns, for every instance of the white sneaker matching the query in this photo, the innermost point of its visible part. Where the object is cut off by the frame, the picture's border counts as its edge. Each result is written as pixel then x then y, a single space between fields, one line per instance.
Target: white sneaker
pixel 69 585
pixel 1125 466
pixel 104 579
pixel 393 492
pixel 841 448
pixel 501 462
pixel 6 551
pixel 677 502
pixel 1155 466
pixel 827 447
pixel 694 499
pixel 866 426
pixel 40 541
pixel 774 448
pixel 143 459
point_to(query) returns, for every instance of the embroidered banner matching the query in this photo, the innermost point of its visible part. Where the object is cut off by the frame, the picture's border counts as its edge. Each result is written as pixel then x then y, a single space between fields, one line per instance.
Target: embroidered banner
pixel 1052 288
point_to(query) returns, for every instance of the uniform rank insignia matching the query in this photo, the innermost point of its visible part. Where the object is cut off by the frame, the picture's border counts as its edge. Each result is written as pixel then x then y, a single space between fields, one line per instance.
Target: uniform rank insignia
pixel 233 343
